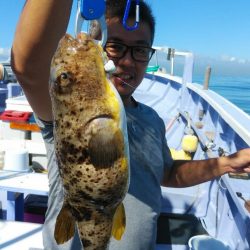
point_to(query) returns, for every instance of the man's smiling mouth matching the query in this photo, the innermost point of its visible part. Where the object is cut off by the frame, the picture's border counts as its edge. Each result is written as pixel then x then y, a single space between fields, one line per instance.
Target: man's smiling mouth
pixel 124 78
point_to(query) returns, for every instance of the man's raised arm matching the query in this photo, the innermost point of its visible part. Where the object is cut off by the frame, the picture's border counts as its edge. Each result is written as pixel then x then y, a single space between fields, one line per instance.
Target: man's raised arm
pixel 41 25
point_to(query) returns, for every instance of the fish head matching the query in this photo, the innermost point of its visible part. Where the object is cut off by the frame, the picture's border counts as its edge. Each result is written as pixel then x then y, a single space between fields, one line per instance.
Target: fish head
pixel 77 68
pixel 78 82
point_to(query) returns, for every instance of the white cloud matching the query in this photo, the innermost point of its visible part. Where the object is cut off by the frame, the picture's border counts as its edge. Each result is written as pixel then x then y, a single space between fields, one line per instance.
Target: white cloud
pixel 242 61
pixel 4 54
pixel 222 65
pixel 233 59
pixel 226 58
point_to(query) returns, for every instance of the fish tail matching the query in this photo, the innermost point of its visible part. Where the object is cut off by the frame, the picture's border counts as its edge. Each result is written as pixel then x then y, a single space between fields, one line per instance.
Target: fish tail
pixel 95 233
pixel 119 222
pixel 65 226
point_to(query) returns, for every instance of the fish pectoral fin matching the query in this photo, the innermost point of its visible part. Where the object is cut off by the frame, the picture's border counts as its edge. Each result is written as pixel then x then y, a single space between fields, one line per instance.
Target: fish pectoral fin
pixel 65 226
pixel 119 222
pixel 105 147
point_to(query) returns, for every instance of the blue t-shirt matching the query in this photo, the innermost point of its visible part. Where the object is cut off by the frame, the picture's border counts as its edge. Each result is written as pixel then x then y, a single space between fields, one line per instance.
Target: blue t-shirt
pixel 149 156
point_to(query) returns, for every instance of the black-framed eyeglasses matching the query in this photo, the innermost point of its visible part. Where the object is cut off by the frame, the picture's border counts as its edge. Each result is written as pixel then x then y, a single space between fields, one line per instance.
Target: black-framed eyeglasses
pixel 138 53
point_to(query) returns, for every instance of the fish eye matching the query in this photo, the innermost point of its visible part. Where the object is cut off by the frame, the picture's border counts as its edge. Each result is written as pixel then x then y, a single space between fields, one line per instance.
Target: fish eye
pixel 64 79
pixel 64 76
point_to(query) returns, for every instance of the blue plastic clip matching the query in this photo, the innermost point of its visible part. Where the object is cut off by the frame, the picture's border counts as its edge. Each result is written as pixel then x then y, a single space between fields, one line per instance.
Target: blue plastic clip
pixel 92 10
pixel 126 15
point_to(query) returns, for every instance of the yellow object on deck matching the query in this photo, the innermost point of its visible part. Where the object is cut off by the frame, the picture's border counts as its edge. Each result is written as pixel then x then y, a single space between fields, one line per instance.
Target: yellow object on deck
pixel 180 155
pixel 189 143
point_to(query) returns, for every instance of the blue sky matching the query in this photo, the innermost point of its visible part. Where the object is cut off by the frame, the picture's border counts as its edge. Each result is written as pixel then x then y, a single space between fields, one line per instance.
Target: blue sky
pixel 217 31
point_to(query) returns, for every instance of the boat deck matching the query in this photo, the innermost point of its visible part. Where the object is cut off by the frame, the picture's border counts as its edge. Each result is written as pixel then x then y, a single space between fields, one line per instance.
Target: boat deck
pixel 20 235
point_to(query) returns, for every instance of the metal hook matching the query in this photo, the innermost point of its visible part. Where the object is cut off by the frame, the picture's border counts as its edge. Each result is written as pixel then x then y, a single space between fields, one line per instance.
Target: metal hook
pixel 91 10
pixel 126 14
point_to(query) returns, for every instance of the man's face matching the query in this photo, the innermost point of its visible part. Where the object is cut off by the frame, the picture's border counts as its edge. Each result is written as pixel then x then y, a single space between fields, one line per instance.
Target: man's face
pixel 128 70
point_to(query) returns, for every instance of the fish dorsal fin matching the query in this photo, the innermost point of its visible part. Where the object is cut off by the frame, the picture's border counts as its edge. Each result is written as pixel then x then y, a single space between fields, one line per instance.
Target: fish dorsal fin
pixel 65 226
pixel 119 222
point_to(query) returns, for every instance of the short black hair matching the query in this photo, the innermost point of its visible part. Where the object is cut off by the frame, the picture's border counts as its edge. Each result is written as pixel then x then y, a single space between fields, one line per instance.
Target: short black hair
pixel 116 8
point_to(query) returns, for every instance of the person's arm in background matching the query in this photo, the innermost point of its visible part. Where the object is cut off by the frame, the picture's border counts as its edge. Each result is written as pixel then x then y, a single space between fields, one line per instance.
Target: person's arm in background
pixel 189 173
pixel 41 25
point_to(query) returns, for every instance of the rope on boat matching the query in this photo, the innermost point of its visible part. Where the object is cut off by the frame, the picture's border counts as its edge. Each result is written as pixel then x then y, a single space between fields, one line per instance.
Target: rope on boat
pixel 172 121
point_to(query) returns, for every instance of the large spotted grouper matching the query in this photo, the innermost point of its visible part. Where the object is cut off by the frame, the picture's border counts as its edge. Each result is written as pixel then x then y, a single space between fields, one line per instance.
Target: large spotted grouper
pixel 91 144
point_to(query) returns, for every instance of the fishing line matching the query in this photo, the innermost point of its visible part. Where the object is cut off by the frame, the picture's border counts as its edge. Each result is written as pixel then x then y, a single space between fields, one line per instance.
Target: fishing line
pixel 128 84
pixel 111 69
pixel 125 83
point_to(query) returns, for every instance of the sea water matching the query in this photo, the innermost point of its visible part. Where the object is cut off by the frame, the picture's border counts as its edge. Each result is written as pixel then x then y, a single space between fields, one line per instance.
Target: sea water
pixel 235 89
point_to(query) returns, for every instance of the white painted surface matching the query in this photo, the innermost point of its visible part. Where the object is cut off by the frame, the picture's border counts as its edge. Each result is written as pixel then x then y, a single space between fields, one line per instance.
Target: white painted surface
pixel 20 235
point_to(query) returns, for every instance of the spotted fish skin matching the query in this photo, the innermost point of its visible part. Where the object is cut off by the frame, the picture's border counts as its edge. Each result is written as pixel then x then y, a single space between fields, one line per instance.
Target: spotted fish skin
pixel 90 141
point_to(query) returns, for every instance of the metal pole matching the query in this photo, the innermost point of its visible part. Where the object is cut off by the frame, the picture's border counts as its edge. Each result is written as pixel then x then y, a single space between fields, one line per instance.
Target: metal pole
pixel 207 77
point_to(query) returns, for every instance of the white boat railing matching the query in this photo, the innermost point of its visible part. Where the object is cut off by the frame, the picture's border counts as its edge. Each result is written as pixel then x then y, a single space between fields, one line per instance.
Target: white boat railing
pixel 188 63
pixel 238 119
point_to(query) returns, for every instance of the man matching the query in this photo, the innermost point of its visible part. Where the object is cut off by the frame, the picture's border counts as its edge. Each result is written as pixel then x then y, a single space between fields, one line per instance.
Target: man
pixel 40 27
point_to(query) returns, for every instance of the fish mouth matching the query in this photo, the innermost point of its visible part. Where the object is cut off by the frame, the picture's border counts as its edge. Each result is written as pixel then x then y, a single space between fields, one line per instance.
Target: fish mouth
pixel 103 116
